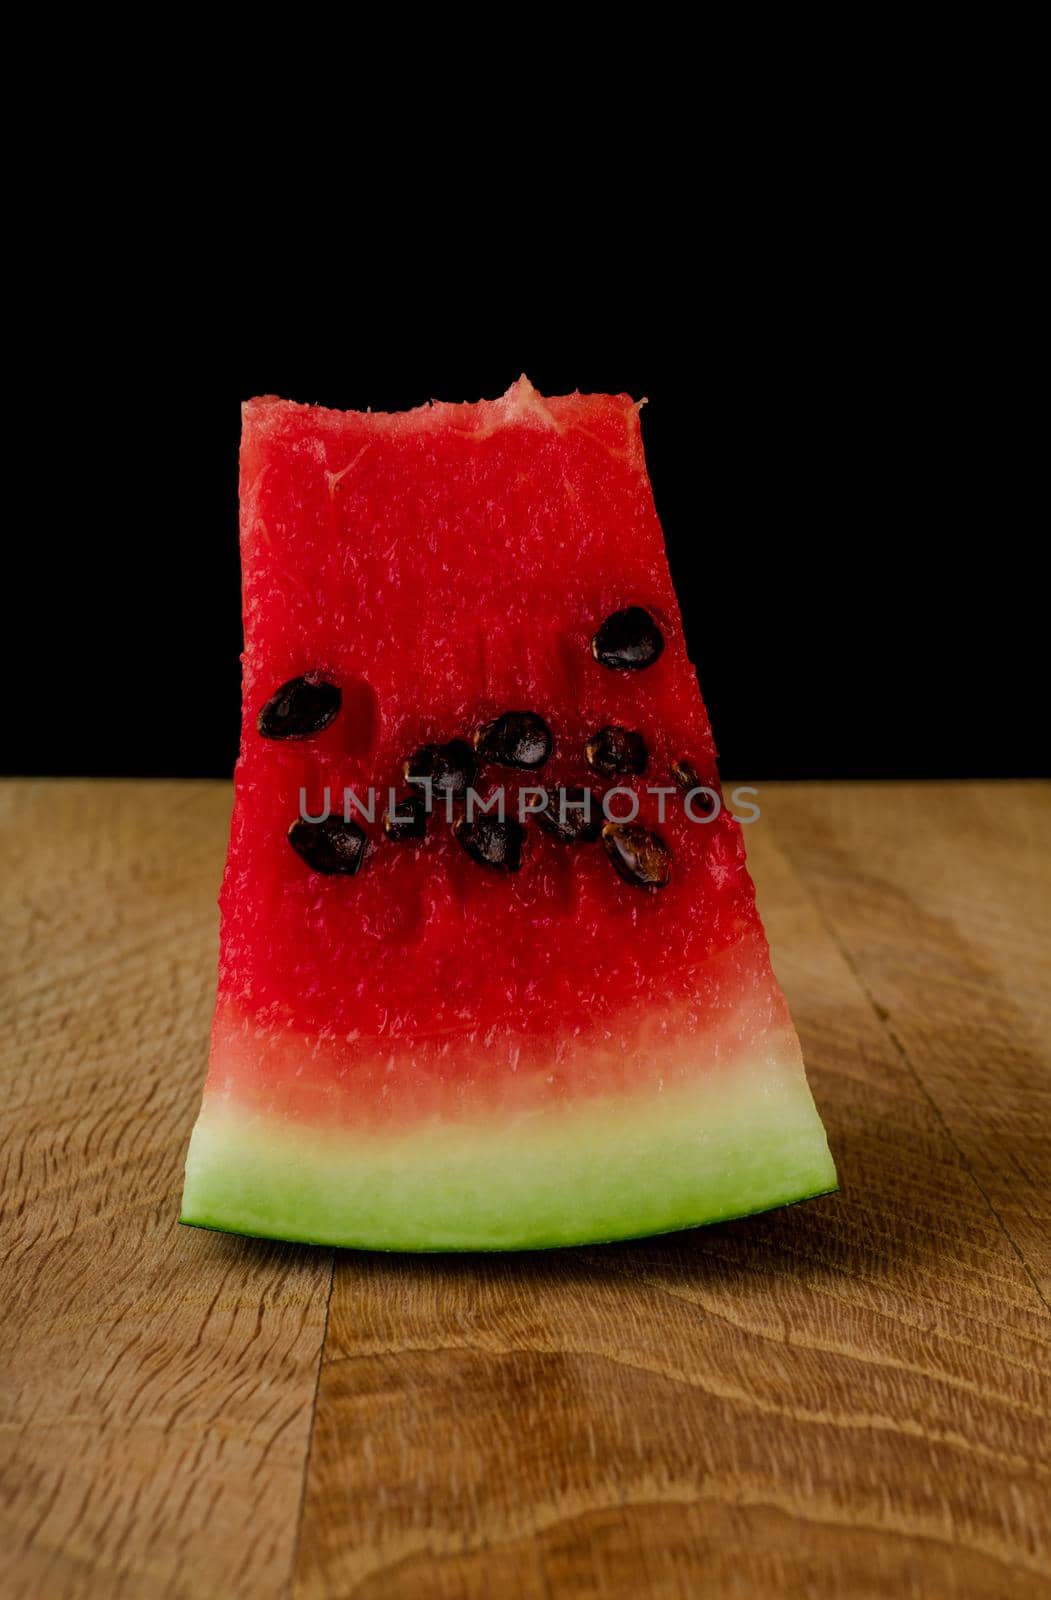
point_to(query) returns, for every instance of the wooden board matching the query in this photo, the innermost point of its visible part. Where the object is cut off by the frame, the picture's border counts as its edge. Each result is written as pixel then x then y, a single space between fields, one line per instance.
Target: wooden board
pixel 846 1398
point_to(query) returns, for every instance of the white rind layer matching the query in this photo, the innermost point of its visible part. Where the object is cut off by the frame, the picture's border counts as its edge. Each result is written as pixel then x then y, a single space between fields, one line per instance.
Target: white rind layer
pixel 740 1138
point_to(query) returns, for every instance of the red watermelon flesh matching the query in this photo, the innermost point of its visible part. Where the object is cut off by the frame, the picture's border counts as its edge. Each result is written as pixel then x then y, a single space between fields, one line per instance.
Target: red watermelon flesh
pixel 432 1054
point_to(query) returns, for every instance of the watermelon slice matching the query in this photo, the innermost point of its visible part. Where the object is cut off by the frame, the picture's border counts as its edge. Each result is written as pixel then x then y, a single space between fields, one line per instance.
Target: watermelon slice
pixel 437 1030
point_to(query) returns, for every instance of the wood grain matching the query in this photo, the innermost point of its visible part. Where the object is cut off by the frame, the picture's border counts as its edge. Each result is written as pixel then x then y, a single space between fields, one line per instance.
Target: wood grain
pixel 939 895
pixel 158 1382
pixel 847 1398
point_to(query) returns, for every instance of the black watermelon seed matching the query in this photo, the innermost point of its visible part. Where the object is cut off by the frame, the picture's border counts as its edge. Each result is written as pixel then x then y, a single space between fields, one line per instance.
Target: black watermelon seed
pixel 685 775
pixel 577 826
pixel 331 846
pixel 452 768
pixel 492 843
pixel 640 857
pixel 628 640
pixel 516 739
pixel 616 751
pixel 408 820
pixel 300 708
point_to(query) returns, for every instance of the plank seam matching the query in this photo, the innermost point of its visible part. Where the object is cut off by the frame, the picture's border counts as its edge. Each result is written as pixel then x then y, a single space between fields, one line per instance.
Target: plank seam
pixel 298 1539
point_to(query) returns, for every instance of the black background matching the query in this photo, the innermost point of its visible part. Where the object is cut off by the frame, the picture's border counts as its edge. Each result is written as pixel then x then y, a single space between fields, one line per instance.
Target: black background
pixel 837 452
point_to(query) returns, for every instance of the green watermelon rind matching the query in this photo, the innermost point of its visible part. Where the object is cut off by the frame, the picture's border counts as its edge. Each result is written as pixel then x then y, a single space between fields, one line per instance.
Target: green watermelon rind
pixel 742 1141
pixel 505 1249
